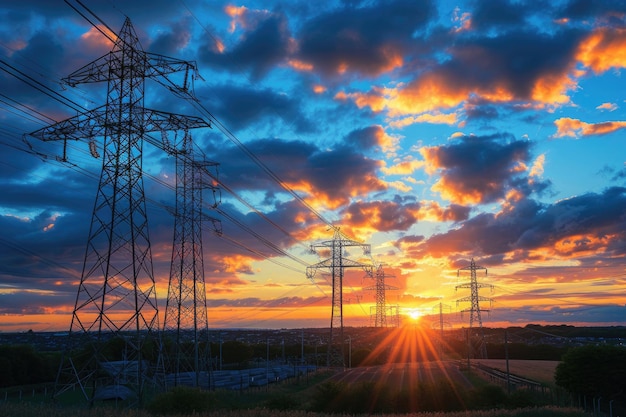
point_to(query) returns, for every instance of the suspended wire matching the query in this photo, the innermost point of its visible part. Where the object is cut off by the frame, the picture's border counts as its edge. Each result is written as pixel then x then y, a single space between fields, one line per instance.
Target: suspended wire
pixel 194 102
pixel 65 101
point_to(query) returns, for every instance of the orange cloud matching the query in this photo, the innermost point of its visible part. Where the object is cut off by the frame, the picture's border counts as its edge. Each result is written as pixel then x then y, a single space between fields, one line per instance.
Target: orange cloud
pixel 236 14
pixel 552 89
pixel 300 65
pixel 219 46
pixel 536 170
pixel 568 127
pixel 607 106
pixel 95 38
pixel 435 118
pixel 603 49
pixel 353 187
pixel 403 168
pixel 319 89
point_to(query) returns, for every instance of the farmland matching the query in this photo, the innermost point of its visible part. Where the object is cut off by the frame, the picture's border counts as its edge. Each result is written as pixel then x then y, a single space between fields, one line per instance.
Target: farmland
pixel 540 371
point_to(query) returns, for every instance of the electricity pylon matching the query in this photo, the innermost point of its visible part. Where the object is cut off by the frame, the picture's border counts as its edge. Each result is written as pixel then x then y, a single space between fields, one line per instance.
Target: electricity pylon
pixel 337 263
pixel 474 300
pixel 441 307
pixel 186 326
pixel 381 303
pixel 115 317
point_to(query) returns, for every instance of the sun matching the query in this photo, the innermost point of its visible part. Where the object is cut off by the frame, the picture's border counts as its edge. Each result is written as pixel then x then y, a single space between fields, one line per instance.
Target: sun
pixel 414 314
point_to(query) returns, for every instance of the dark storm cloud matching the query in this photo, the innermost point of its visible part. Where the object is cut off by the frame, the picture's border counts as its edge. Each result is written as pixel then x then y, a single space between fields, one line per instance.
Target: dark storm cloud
pixel 589 222
pixel 480 169
pixel 514 61
pixel 502 14
pixel 260 49
pixel 365 138
pixel 171 41
pixel 582 10
pixel 367 40
pixel 240 107
pixel 331 175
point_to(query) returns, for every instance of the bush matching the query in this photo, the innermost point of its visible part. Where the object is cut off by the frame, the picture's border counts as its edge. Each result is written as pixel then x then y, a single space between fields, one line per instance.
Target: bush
pixel 326 396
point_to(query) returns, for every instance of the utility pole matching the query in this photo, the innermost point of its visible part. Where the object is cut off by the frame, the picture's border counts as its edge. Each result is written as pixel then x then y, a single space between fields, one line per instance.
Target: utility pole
pixel 186 326
pixel 337 263
pixel 381 304
pixel 116 300
pixel 475 311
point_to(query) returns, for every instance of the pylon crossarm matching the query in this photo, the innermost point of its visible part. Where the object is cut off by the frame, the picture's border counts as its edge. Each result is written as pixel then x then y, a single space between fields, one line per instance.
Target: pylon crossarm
pixel 165 65
pixel 95 71
pixel 156 121
pixel 310 271
pixel 85 125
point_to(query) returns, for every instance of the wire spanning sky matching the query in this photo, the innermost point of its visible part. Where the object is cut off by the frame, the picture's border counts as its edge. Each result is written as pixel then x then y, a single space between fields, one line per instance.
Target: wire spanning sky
pixel 435 131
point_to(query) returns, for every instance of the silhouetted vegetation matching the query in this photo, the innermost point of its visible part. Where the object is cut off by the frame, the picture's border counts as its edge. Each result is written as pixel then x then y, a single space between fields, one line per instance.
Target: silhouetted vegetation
pixel 443 396
pixel 594 371
pixel 22 365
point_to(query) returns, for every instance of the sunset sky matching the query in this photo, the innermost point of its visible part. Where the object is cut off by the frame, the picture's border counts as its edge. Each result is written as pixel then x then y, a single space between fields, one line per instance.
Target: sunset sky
pixel 435 131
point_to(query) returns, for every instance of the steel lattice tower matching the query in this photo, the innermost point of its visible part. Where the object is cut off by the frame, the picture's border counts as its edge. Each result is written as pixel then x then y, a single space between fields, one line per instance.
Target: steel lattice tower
pixel 474 299
pixel 186 327
pixel 381 303
pixel 337 263
pixel 115 317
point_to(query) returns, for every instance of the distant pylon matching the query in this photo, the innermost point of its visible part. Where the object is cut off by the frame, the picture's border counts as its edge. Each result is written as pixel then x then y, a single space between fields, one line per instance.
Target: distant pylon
pixel 186 326
pixel 441 307
pixel 114 341
pixel 337 263
pixel 474 300
pixel 381 303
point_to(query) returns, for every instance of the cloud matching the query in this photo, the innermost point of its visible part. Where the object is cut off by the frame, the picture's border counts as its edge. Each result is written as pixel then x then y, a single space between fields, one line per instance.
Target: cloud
pixel 587 225
pixel 603 49
pixel 607 106
pixel 371 137
pixel 172 41
pixel 574 128
pixel 368 40
pixel 399 214
pixel 501 15
pixel 240 107
pixel 328 178
pixel 264 43
pixel 477 170
pixel 516 68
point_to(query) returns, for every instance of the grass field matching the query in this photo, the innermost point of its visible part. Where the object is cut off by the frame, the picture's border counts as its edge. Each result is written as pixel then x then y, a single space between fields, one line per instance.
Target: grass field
pixel 540 371
pixel 33 410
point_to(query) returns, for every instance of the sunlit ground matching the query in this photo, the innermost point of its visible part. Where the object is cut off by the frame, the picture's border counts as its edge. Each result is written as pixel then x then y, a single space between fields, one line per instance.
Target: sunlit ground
pixel 414 358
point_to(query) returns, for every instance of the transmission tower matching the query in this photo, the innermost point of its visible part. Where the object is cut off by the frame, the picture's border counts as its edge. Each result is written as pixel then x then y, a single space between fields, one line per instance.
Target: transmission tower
pixel 381 303
pixel 474 299
pixel 186 327
pixel 441 307
pixel 115 318
pixel 337 263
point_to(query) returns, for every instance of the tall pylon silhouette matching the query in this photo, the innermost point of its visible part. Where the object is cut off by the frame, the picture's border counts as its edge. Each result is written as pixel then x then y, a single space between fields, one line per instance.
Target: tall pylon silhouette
pixel 381 308
pixel 186 326
pixel 475 310
pixel 337 263
pixel 114 342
